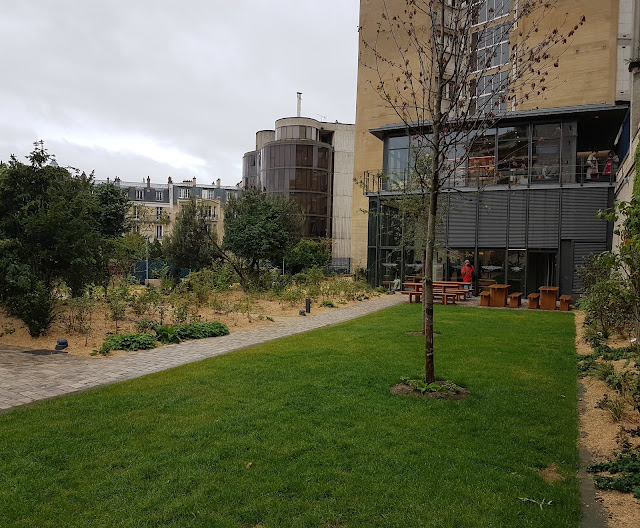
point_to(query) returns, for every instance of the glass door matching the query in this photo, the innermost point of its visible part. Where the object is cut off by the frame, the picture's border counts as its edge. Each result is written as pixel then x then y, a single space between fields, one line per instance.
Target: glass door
pixel 516 270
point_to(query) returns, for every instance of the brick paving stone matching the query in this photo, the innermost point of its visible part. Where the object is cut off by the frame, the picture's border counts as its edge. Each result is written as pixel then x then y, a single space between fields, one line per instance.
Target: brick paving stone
pixel 26 378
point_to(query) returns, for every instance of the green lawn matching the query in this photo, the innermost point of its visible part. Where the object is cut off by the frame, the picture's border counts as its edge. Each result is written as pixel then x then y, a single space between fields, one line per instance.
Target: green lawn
pixel 303 432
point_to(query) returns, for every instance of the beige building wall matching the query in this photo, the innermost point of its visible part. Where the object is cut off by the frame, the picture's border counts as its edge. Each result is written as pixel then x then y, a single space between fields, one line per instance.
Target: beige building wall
pixel 586 74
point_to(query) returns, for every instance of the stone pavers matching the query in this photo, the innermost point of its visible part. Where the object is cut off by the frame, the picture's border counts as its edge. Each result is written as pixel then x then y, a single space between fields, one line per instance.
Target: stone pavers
pixel 26 378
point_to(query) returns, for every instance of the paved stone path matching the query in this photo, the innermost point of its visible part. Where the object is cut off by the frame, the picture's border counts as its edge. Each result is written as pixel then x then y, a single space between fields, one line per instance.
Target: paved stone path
pixel 26 378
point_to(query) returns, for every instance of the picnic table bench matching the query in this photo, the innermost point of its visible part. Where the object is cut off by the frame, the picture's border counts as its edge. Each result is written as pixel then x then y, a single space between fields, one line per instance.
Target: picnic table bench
pixel 565 303
pixel 515 299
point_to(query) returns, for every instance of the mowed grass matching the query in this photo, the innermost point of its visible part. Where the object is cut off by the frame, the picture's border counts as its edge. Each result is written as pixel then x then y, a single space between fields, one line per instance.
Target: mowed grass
pixel 304 432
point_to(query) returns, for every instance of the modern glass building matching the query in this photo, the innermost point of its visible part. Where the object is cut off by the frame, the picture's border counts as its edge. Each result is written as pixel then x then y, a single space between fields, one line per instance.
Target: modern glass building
pixel 521 205
pixel 311 162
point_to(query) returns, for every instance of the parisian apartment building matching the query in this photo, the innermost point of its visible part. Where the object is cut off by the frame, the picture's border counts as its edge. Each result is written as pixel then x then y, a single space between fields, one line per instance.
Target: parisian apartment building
pixel 156 205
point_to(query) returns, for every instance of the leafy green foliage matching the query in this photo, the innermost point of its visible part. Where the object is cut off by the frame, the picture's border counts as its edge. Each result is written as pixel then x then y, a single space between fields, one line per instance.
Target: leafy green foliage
pixel 625 470
pixel 141 341
pixel 167 334
pixel 53 226
pixel 190 244
pixel 201 330
pixel 259 227
pixel 202 283
pixel 174 334
pixel 423 387
pixel 327 303
pixel 307 254
pixel 605 298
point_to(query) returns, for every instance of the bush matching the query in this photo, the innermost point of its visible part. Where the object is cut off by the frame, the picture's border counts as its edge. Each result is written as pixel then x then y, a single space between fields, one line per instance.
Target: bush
pixel 35 308
pixel 80 309
pixel 146 324
pixel 174 334
pixel 128 342
pixel 201 330
pixel 307 254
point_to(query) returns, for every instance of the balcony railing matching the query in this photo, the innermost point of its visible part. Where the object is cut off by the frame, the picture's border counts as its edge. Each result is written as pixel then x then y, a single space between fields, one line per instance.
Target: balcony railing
pixel 379 182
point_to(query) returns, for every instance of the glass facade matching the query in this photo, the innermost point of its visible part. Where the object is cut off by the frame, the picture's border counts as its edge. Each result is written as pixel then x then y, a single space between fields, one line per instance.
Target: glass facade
pixel 296 132
pixel 249 170
pixel 301 171
pixel 522 154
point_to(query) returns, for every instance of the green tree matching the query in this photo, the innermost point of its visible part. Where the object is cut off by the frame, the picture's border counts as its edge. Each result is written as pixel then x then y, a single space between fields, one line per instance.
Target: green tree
pixel 53 226
pixel 626 259
pixel 191 244
pixel 260 227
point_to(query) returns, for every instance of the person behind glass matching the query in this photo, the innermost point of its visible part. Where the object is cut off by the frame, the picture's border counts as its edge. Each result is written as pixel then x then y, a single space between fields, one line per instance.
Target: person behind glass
pixel 592 164
pixel 467 276
pixel 611 165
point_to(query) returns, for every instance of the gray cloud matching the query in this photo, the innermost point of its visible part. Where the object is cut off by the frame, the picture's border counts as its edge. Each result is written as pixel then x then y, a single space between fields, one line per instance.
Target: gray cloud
pixel 164 88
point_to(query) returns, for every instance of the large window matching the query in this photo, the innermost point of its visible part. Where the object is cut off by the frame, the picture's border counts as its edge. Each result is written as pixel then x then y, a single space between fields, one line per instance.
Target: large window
pixel 545 161
pixel 297 132
pixel 490 47
pixel 488 10
pixel 490 93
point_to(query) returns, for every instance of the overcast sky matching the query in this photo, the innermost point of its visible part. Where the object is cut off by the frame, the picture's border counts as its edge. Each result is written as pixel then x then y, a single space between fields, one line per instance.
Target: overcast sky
pixel 159 88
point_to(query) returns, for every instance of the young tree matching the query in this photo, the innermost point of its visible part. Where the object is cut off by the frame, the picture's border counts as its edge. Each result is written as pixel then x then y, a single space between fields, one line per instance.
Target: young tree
pixel 191 244
pixel 258 227
pixel 430 69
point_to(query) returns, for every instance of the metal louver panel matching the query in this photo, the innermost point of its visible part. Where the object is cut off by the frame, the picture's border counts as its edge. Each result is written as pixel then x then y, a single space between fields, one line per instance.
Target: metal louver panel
pixel 543 218
pixel 492 219
pixel 579 207
pixel 517 219
pixel 462 219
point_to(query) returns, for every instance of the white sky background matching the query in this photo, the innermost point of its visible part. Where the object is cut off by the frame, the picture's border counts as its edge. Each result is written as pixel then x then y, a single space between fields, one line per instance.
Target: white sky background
pixel 159 88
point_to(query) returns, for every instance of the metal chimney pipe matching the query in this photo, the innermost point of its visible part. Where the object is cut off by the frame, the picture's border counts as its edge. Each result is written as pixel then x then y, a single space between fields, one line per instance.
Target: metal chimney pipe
pixel 299 104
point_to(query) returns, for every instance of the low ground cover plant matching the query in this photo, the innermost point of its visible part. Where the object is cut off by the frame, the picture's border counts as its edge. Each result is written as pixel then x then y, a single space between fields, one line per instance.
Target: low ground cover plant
pixel 128 342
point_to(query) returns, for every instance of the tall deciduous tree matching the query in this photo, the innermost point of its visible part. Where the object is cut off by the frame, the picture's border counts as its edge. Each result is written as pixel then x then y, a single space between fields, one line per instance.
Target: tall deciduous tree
pixel 440 65
pixel 259 227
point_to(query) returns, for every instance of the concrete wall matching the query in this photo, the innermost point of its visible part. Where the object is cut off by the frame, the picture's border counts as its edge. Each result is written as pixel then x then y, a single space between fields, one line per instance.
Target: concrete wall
pixel 342 188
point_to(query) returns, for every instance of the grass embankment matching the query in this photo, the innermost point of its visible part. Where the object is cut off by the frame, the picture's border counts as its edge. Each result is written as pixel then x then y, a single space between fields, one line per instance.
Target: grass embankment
pixel 303 432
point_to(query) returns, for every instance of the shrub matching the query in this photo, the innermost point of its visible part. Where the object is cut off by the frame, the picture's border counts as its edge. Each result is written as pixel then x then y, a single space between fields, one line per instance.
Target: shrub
pixel 35 308
pixel 307 254
pixel 167 334
pixel 128 342
pixel 146 324
pixel 201 330
pixel 80 309
pixel 174 334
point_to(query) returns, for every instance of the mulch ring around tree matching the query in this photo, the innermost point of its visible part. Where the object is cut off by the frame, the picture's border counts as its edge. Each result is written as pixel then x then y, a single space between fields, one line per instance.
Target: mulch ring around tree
pixel 404 389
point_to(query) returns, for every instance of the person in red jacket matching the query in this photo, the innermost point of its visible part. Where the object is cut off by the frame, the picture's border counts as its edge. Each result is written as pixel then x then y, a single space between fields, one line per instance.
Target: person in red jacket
pixel 467 276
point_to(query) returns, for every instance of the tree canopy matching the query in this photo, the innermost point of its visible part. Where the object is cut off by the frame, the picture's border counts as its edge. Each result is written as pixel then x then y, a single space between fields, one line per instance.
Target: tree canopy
pixel 259 227
pixel 54 226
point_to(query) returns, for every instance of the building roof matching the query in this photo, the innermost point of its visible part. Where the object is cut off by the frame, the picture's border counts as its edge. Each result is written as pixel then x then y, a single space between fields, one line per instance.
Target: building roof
pixel 611 117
